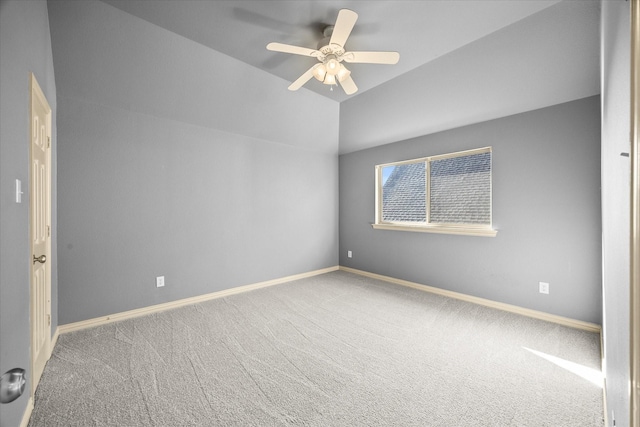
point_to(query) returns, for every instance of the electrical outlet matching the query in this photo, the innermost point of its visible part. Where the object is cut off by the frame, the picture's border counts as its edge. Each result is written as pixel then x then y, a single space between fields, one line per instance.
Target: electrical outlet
pixel 159 281
pixel 349 254
pixel 543 287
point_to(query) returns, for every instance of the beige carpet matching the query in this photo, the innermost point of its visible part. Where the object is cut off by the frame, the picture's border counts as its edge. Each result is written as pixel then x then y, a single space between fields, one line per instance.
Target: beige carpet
pixel 332 350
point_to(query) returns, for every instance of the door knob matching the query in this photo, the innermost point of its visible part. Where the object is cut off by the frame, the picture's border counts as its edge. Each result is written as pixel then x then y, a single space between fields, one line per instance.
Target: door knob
pixel 41 259
pixel 12 385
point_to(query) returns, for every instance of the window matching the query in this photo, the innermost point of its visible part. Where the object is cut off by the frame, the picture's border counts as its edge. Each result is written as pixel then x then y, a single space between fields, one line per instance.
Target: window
pixel 450 193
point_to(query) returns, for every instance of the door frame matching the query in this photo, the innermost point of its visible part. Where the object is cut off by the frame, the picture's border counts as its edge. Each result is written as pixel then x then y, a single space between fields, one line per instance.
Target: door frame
pixel 634 309
pixel 35 92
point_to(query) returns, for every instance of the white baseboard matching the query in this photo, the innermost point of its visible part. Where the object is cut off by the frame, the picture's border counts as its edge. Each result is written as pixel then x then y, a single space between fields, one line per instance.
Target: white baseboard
pixel 604 381
pixel 565 321
pixel 54 340
pixel 27 413
pixel 70 327
pixel 604 402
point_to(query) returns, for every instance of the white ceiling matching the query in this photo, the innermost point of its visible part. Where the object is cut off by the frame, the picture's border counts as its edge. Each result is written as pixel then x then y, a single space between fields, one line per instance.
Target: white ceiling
pixel 425 33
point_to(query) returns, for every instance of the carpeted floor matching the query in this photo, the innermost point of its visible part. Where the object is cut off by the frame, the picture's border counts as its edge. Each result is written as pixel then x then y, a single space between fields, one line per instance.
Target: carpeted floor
pixel 332 350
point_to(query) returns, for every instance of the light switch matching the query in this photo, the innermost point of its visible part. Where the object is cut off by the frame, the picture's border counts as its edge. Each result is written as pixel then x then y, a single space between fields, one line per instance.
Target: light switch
pixel 19 192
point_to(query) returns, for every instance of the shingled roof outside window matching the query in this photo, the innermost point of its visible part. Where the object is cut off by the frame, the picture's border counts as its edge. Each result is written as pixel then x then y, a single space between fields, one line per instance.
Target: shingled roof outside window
pixel 448 189
pixel 461 190
pixel 404 194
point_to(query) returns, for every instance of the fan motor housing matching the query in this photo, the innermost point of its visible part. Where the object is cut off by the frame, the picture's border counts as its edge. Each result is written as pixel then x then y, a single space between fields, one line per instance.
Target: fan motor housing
pixel 325 46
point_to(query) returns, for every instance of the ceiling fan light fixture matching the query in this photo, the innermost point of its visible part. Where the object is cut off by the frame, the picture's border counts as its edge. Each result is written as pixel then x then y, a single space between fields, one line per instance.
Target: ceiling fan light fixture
pixel 329 79
pixel 343 73
pixel 331 53
pixel 319 72
pixel 332 65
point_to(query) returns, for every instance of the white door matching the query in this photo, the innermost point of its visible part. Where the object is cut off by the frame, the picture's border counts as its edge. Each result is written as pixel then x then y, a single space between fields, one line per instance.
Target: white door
pixel 40 232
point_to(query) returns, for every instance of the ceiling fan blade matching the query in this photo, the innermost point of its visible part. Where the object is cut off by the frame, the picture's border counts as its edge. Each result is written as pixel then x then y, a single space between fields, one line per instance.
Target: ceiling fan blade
pixel 344 24
pixel 308 75
pixel 296 50
pixel 349 86
pixel 372 57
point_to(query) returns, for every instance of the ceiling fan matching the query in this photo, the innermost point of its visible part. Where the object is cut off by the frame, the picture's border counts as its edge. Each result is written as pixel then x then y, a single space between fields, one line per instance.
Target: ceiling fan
pixel 331 53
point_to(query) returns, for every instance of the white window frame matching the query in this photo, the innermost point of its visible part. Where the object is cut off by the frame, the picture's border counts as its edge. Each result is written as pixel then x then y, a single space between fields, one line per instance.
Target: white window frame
pixel 429 227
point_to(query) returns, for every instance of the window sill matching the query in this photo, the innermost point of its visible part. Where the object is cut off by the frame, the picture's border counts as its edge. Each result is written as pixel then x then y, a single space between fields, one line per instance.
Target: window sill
pixel 444 229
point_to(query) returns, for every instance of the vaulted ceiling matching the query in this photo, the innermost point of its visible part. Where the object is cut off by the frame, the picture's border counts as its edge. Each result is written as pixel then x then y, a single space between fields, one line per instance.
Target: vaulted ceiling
pixel 420 31
pixel 508 56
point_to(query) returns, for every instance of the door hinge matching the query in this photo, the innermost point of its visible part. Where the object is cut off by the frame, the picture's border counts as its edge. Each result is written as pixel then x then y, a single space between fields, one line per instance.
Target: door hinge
pixel 48 231
pixel 49 319
pixel 48 142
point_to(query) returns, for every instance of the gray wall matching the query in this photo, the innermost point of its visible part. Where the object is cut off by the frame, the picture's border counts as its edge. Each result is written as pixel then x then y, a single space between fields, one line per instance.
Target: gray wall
pixel 25 46
pixel 166 170
pixel 615 205
pixel 107 56
pixel 546 208
pixel 451 90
